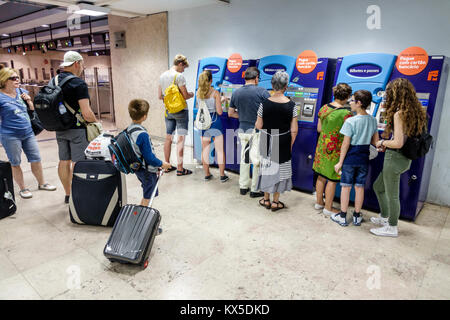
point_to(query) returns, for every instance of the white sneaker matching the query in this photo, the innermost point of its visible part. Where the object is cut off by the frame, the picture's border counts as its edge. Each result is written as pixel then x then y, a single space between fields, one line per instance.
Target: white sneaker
pixel 386 231
pixel 336 217
pixel 379 220
pixel 318 206
pixel 327 212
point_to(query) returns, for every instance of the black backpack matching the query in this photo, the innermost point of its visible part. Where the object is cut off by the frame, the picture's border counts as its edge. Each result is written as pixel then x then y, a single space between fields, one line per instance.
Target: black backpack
pixel 49 105
pixel 122 152
pixel 418 146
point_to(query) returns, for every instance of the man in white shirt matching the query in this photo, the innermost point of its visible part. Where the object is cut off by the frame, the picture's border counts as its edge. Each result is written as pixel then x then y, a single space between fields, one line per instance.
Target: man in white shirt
pixel 179 120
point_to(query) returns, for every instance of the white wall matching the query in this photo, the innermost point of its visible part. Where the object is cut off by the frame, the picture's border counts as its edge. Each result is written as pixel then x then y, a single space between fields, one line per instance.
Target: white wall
pixel 256 28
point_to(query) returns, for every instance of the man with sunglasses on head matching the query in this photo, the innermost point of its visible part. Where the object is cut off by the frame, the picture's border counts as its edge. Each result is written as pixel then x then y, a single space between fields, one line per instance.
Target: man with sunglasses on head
pixel 16 132
pixel 73 142
pixel 244 106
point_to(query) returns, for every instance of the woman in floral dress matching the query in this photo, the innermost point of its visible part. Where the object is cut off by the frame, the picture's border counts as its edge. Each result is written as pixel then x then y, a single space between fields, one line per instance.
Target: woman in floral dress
pixel 331 119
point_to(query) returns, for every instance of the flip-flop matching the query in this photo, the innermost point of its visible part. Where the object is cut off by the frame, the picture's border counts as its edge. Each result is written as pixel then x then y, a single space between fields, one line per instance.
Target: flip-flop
pixel 172 168
pixel 183 172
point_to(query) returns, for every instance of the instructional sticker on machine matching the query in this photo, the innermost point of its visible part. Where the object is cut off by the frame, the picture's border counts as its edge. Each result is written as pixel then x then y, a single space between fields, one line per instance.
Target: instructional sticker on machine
pixel 306 61
pixel 234 63
pixel 412 61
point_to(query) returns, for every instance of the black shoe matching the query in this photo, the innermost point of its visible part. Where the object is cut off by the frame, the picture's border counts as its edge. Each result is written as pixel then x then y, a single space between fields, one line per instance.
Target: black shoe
pixel 244 191
pixel 224 178
pixel 207 178
pixel 66 199
pixel 256 194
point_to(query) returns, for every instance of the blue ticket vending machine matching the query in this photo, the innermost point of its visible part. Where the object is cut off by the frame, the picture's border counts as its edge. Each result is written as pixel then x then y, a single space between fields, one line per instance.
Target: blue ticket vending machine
pixel 217 67
pixel 231 82
pixel 312 91
pixel 430 85
pixel 269 65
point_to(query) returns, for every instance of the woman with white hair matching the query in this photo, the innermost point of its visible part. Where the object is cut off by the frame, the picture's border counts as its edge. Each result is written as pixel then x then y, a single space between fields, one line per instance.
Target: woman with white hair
pixel 277 121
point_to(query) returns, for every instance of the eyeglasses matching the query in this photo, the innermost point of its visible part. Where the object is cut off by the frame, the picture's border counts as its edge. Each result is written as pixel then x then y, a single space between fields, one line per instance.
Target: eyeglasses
pixel 351 100
pixel 16 78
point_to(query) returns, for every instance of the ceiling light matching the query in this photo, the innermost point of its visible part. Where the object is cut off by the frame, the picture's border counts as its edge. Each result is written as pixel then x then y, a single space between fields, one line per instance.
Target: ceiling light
pixel 90 10
pixel 5 35
pixel 45 25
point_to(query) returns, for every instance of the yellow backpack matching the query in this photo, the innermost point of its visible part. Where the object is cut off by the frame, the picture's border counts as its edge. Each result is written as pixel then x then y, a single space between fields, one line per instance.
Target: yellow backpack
pixel 173 99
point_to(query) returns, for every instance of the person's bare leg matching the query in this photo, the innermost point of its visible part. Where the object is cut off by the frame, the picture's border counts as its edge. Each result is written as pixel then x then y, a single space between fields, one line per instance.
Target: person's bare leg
pixel 359 198
pixel 276 198
pixel 329 196
pixel 145 202
pixel 167 147
pixel 205 155
pixel 65 175
pixel 36 169
pixel 320 187
pixel 180 151
pixel 345 198
pixel 218 142
pixel 18 176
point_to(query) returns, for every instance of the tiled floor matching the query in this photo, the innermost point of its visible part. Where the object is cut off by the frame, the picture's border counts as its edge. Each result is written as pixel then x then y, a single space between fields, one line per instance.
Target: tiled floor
pixel 218 244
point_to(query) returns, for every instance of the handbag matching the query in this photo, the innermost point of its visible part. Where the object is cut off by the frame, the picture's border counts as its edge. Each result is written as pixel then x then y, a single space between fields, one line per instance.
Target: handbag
pixel 251 150
pixel 93 129
pixel 203 119
pixel 36 124
pixel 417 147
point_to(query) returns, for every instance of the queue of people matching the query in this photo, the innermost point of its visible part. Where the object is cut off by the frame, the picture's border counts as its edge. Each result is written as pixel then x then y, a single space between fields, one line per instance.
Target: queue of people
pixel 346 130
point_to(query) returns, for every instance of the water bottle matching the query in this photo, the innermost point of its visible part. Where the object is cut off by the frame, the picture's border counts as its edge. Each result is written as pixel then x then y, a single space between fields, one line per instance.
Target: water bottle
pixel 62 109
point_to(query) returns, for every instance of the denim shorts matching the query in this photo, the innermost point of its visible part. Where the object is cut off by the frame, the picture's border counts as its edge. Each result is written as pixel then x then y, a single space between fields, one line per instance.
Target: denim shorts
pixel 148 182
pixel 216 128
pixel 354 174
pixel 14 146
pixel 179 121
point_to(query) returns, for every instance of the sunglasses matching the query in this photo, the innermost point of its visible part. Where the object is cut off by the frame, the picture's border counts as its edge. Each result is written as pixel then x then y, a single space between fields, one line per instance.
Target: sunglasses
pixel 14 78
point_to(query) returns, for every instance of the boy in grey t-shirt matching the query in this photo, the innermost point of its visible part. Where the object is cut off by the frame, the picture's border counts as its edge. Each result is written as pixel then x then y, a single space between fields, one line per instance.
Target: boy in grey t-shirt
pixel 244 106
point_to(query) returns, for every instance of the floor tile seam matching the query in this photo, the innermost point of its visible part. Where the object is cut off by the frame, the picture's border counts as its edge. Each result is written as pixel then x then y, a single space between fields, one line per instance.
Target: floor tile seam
pixel 32 287
pixel 420 287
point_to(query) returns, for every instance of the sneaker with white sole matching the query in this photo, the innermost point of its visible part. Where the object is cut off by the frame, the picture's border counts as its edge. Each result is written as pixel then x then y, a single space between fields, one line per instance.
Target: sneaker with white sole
pixel 318 206
pixel 340 218
pixel 327 212
pixel 47 187
pixel 357 218
pixel 379 220
pixel 25 194
pixel 385 231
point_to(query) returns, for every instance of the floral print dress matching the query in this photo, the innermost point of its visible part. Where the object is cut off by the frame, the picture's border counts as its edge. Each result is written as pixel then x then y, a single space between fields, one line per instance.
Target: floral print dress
pixel 328 148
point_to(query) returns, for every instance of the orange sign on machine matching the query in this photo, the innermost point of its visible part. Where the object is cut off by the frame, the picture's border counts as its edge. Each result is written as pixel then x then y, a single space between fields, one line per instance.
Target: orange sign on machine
pixel 306 61
pixel 234 63
pixel 411 61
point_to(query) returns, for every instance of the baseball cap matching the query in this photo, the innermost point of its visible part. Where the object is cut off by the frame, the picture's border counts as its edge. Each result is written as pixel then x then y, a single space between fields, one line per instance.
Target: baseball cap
pixel 70 57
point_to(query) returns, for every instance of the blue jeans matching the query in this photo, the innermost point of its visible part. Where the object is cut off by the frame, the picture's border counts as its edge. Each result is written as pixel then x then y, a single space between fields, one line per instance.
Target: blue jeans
pixel 148 182
pixel 14 146
pixel 354 174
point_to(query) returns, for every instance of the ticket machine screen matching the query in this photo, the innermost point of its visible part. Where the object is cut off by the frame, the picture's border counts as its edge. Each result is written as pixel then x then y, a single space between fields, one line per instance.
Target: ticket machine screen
pixel 306 101
pixel 381 114
pixel 226 90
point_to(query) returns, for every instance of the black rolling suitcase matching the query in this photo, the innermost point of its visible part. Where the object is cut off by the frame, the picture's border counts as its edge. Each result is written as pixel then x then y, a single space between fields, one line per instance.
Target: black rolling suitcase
pixel 132 237
pixel 98 193
pixel 7 200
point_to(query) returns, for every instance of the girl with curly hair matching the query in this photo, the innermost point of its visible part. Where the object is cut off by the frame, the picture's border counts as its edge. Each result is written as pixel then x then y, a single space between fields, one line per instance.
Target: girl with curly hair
pixel 405 118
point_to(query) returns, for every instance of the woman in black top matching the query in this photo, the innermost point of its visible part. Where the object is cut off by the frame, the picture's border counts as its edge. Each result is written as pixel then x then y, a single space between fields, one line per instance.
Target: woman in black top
pixel 277 120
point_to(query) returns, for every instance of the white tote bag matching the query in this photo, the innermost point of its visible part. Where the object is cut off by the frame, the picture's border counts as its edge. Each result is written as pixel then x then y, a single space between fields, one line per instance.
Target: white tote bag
pixel 203 119
pixel 254 149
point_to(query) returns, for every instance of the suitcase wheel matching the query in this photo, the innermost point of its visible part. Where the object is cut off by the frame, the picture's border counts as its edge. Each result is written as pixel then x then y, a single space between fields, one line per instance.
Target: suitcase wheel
pixel 145 265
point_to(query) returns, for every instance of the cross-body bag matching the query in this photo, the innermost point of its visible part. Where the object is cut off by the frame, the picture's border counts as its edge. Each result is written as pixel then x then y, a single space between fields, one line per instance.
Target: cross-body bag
pixel 93 129
pixel 36 124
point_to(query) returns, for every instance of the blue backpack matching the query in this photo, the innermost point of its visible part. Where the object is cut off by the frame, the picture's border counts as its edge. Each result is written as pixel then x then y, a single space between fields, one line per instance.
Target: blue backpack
pixel 123 155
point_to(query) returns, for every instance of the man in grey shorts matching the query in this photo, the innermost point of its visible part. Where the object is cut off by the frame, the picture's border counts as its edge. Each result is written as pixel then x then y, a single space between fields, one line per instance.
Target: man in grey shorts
pixel 73 142
pixel 179 120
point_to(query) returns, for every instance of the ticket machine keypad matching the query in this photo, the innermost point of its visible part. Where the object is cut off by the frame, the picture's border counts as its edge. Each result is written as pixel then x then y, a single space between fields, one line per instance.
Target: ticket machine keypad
pixel 306 101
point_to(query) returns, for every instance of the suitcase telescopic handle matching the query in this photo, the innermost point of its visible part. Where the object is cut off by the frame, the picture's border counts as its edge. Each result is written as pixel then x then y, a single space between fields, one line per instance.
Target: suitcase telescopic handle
pixel 155 188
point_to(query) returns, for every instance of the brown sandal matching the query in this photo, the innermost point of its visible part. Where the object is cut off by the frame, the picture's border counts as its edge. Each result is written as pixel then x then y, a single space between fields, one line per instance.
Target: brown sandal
pixel 263 201
pixel 277 207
